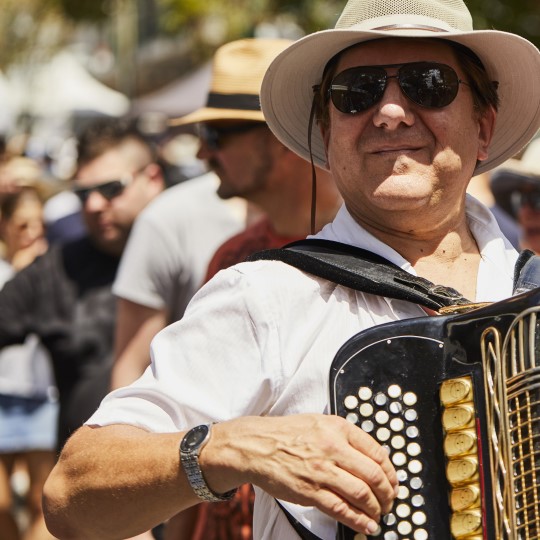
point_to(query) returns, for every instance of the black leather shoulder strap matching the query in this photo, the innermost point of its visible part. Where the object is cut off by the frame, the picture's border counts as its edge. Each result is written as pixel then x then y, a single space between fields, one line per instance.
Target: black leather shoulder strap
pixel 362 270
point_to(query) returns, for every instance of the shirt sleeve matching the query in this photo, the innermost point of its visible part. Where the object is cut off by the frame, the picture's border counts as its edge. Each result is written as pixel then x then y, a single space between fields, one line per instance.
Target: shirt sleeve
pixel 219 362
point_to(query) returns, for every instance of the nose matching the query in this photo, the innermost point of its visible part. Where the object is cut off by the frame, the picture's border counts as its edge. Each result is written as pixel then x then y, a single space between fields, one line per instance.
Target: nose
pixel 204 151
pixel 95 202
pixel 394 108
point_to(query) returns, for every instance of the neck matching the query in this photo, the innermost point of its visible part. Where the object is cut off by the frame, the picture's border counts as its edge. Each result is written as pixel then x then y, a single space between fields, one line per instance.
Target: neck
pixel 445 253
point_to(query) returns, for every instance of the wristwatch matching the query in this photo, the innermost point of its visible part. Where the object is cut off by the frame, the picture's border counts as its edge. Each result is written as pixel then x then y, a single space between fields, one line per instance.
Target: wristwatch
pixel 190 447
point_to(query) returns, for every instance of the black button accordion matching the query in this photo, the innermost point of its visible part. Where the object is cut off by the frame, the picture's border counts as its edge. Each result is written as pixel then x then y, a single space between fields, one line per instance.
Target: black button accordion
pixel 455 399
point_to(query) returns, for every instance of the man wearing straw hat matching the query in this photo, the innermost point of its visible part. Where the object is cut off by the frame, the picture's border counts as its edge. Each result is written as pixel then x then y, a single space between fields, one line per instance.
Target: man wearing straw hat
pixel 410 102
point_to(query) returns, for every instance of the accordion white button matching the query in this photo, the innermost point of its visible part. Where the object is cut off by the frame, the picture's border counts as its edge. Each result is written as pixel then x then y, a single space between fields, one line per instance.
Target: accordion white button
pixel 412 432
pixel 414 449
pixel 364 393
pixel 398 442
pixel 409 398
pixel 421 534
pixel 403 510
pixel 416 483
pixel 397 424
pixel 382 417
pixel 351 402
pixel 404 527
pixel 419 518
pixel 352 418
pixel 415 466
pixel 399 459
pixel 395 407
pixel 368 426
pixel 394 391
pixel 366 409
pixel 403 493
pixel 383 434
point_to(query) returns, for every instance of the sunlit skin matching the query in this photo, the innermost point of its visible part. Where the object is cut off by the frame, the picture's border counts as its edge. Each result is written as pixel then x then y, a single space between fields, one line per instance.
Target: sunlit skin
pixel 109 222
pixel 402 160
pixel 242 173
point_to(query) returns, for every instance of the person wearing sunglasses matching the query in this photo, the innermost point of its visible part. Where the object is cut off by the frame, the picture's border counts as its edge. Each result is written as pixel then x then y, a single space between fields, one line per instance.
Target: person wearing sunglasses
pixel 64 297
pixel 516 188
pixel 403 102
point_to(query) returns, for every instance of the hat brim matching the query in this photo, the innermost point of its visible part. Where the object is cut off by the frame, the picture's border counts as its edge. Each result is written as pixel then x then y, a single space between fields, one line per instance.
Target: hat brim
pixel 209 114
pixel 510 177
pixel 514 62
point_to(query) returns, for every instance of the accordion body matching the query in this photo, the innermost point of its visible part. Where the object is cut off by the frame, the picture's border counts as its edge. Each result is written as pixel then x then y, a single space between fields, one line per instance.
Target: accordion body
pixel 455 399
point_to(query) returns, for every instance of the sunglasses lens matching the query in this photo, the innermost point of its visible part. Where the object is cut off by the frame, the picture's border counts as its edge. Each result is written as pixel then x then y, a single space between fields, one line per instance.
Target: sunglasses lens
pixel 110 190
pixel 429 85
pixel 357 89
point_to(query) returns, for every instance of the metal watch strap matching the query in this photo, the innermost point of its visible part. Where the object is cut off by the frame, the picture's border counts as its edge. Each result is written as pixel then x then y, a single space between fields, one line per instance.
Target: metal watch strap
pixel 190 464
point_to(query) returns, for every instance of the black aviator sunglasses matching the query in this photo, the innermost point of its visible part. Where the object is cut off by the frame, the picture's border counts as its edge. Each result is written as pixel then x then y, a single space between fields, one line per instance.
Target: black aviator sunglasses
pixel 428 84
pixel 108 190
pixel 214 136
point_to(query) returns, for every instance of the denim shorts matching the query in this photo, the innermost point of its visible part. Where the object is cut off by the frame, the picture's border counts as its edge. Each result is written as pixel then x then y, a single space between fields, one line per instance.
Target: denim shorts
pixel 27 424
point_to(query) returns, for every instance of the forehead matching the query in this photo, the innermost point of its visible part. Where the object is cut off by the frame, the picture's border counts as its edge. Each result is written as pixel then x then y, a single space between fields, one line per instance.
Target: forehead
pixel 397 51
pixel 111 165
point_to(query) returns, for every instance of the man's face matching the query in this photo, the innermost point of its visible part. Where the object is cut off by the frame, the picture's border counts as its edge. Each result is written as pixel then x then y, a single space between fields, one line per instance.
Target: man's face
pixel 239 153
pixel 398 156
pixel 110 210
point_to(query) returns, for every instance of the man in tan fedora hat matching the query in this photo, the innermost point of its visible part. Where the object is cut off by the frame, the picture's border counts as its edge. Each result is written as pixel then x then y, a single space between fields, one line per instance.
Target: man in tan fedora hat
pixel 408 103
pixel 516 188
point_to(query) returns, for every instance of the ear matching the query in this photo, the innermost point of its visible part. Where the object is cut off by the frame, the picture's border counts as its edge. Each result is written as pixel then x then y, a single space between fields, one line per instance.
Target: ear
pixel 155 175
pixel 486 128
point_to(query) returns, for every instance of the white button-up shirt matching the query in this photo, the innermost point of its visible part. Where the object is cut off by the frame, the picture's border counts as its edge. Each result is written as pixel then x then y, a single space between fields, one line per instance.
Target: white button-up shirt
pixel 259 339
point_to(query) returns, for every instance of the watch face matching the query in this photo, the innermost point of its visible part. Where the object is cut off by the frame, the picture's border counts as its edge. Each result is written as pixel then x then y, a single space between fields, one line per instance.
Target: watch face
pixel 194 438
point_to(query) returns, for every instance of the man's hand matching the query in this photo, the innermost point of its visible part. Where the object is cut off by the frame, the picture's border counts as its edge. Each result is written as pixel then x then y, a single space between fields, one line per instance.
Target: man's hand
pixel 312 460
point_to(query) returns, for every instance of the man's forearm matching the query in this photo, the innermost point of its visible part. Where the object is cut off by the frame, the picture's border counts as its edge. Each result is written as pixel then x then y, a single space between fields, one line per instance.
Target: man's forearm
pixel 118 481
pixel 132 483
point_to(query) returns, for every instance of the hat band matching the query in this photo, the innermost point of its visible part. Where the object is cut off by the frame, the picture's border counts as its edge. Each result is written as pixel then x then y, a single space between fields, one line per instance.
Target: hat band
pixel 410 27
pixel 248 102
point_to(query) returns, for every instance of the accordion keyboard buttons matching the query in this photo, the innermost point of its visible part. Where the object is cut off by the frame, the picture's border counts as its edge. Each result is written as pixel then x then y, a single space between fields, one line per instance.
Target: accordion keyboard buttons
pixel 390 417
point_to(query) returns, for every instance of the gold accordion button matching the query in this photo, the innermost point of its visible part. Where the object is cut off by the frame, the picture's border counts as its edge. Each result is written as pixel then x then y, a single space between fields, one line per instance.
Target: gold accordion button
pixel 460 443
pixel 456 390
pixel 465 497
pixel 463 524
pixel 458 417
pixel 463 470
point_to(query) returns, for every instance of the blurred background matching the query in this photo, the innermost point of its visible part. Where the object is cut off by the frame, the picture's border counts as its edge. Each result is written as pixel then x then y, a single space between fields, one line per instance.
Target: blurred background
pixel 63 62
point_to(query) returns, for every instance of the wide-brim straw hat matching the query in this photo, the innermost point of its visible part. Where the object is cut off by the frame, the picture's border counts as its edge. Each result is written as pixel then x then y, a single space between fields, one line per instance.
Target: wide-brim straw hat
pixel 514 62
pixel 238 69
pixel 516 175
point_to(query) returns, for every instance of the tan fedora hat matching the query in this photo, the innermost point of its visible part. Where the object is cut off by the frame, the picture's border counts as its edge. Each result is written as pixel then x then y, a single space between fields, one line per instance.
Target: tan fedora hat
pixel 517 175
pixel 514 62
pixel 238 69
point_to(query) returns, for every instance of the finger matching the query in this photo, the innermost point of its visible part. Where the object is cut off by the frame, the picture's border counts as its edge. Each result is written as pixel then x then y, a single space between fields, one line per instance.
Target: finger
pixel 341 510
pixel 366 460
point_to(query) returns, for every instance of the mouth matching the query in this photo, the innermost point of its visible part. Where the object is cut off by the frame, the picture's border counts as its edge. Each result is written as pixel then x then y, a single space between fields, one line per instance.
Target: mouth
pixel 395 151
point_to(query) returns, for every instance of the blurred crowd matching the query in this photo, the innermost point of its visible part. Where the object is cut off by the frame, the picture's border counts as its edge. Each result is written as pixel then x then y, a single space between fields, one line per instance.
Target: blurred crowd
pixel 93 266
